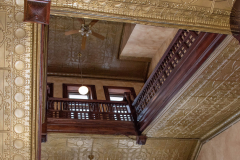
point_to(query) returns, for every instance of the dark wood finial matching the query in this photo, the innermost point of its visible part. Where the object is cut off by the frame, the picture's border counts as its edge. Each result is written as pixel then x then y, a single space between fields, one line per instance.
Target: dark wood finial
pixel 141 140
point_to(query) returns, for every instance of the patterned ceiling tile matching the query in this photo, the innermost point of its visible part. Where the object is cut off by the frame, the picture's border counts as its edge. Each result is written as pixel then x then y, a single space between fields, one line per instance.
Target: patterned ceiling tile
pixel 199 15
pixel 78 147
pixel 100 58
pixel 210 97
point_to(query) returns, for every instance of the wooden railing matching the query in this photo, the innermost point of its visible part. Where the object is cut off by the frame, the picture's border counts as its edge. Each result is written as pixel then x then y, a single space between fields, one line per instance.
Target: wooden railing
pixel 185 54
pixel 164 69
pixel 65 108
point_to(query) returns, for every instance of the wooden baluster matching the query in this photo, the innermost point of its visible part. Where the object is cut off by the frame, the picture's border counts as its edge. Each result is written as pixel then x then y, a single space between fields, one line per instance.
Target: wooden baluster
pixel 131 109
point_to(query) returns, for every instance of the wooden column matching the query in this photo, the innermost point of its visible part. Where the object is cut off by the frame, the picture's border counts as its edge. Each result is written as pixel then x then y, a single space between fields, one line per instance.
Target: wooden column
pixel 235 20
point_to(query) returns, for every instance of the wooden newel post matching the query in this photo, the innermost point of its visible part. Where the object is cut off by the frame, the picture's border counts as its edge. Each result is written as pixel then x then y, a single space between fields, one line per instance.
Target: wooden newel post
pixel 141 139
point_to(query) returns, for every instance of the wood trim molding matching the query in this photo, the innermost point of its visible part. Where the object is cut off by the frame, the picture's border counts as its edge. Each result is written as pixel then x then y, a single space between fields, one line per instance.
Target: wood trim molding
pixel 92 90
pixel 37 11
pixel 194 58
pixel 107 95
pixel 51 89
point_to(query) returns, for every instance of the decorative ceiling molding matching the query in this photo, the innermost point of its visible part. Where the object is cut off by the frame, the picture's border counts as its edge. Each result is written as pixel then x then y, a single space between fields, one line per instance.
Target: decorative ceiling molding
pixel 209 16
pixel 79 146
pixel 18 100
pixel 208 100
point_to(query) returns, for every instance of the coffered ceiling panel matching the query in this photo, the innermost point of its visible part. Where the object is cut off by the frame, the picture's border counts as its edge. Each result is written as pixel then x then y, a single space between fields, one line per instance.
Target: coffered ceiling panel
pixel 207 101
pixel 99 59
pixel 78 147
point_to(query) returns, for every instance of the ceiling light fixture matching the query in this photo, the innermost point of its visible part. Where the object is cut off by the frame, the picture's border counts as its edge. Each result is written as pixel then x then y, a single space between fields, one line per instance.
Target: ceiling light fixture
pixel 83 89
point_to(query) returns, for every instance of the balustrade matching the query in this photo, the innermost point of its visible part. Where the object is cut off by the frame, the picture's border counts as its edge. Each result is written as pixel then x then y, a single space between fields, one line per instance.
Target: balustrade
pixel 88 109
pixel 169 61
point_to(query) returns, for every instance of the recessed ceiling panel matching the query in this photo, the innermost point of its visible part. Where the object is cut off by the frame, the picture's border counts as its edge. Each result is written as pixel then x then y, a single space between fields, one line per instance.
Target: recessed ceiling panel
pixel 99 59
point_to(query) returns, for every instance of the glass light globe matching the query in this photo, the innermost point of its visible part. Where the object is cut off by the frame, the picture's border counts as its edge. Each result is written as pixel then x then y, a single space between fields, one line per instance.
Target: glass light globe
pixel 87 34
pixel 83 90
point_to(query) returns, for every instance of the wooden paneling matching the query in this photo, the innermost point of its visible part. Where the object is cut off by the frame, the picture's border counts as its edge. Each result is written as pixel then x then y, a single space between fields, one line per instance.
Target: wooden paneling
pixel 89 116
pixel 90 126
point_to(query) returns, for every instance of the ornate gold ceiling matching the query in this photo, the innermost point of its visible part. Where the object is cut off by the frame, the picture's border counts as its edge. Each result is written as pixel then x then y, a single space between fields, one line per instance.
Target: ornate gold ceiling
pixel 99 59
pixel 199 15
pixel 18 104
pixel 78 147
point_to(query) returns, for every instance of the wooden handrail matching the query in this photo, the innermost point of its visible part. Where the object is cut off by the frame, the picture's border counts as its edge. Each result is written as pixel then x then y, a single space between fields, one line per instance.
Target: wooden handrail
pixel 86 101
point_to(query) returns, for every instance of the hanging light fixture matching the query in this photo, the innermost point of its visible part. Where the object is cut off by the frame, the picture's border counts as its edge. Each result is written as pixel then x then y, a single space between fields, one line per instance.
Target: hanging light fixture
pixel 83 89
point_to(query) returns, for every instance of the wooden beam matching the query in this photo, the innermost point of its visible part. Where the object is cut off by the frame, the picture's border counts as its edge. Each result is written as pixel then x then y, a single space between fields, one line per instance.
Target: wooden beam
pixel 90 126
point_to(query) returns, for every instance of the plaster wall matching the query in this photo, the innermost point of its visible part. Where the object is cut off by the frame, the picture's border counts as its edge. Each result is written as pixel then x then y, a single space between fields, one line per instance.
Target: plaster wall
pixel 225 146
pixel 158 55
pixel 99 83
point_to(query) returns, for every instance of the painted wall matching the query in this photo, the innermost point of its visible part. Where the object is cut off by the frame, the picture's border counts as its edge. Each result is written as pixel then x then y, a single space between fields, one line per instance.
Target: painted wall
pixel 225 146
pixel 156 58
pixel 99 83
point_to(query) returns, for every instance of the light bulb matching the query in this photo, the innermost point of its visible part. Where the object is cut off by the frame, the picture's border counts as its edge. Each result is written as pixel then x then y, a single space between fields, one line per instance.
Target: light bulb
pixel 82 33
pixel 83 90
pixel 87 34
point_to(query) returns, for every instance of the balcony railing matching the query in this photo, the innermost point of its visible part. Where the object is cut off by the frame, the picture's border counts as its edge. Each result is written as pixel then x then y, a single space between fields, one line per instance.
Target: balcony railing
pixel 166 65
pixel 65 108
pixel 184 56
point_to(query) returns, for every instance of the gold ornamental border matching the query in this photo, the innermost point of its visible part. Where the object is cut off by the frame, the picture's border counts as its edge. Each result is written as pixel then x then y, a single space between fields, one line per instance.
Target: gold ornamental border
pixel 175 18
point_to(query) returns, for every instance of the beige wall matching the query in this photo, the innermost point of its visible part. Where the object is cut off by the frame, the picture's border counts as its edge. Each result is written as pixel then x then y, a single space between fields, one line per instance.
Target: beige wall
pixel 225 146
pixel 156 58
pixel 99 83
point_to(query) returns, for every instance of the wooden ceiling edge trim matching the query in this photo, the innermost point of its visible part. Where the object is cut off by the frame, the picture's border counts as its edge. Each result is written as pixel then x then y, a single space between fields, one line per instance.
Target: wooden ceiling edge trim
pixel 205 46
pixel 212 57
pixel 141 80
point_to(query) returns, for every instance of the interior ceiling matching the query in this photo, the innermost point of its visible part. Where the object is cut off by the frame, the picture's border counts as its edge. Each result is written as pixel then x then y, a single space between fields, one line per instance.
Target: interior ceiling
pixel 208 101
pixel 77 147
pixel 99 59
pixel 145 41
